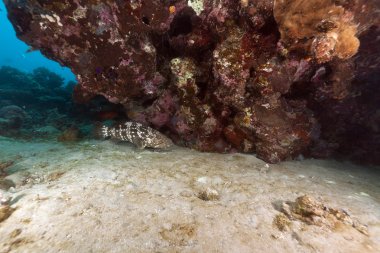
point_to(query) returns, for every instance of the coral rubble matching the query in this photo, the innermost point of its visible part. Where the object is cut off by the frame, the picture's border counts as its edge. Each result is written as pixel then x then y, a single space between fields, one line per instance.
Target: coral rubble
pixel 277 78
pixel 313 212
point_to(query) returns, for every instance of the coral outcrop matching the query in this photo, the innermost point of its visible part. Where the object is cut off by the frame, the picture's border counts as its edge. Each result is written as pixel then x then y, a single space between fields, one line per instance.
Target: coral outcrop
pixel 277 78
pixel 313 212
pixel 11 118
pixel 39 89
pixel 323 28
pixel 36 104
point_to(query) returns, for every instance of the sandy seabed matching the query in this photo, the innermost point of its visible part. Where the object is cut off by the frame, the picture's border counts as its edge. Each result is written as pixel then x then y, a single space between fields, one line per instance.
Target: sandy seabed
pixel 97 196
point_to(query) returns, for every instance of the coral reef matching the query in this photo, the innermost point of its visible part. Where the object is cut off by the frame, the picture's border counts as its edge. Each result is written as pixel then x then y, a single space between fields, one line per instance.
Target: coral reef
pixel 11 118
pixel 27 98
pixel 38 104
pixel 278 78
pixel 39 90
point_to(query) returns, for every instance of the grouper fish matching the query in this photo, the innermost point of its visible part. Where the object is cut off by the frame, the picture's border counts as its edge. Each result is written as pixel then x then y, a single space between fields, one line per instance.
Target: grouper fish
pixel 136 133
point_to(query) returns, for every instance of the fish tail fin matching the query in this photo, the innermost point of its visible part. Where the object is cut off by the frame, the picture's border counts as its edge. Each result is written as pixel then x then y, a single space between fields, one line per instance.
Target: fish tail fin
pixel 105 132
pixel 101 132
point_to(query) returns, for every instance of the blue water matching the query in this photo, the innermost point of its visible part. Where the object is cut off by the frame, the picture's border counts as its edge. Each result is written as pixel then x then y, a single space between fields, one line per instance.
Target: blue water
pixel 13 51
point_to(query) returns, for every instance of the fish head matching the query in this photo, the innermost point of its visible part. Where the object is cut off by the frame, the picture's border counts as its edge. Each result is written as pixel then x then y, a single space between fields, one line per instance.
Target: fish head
pixel 162 142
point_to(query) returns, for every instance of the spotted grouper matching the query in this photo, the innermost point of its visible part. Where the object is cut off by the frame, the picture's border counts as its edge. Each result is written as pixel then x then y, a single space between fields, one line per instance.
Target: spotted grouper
pixel 140 135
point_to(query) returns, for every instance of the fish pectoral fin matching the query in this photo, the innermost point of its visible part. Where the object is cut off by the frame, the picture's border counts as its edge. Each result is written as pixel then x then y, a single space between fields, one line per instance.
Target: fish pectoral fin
pixel 139 144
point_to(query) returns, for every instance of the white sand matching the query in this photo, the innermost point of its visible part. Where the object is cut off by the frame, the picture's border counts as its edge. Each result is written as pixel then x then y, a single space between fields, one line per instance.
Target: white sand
pixel 114 198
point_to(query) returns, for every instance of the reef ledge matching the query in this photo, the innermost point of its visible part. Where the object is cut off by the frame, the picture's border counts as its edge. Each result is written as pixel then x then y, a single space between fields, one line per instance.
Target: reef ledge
pixel 224 76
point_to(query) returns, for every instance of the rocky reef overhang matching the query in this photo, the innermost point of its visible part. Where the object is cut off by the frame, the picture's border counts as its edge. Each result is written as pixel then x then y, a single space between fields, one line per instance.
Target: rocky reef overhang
pixel 277 78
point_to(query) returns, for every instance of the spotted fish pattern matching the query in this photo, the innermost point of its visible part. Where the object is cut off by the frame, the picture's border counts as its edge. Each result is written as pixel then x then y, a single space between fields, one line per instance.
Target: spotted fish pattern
pixel 138 134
